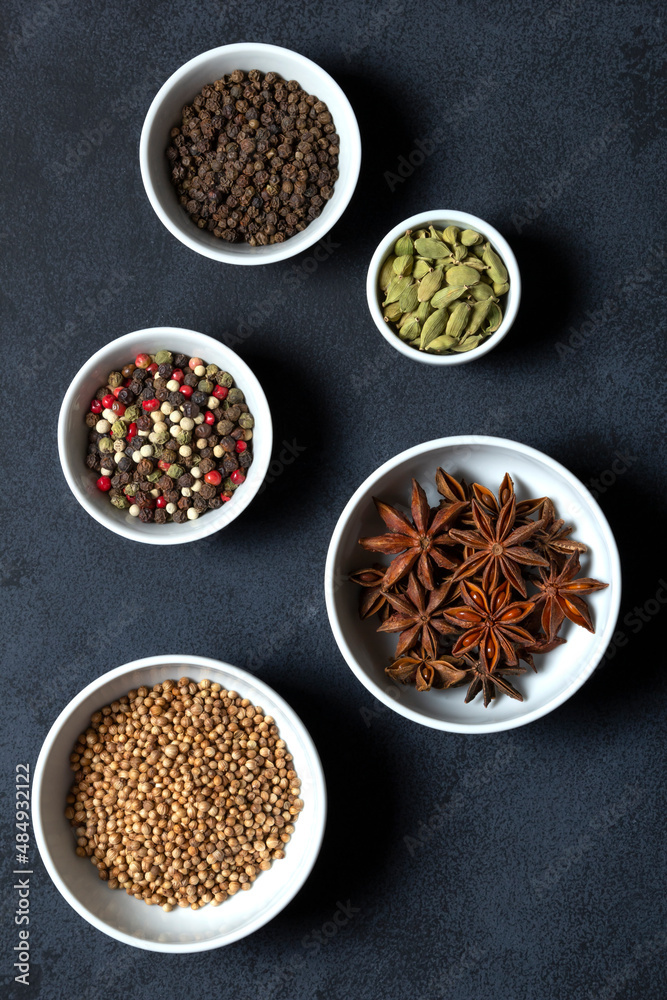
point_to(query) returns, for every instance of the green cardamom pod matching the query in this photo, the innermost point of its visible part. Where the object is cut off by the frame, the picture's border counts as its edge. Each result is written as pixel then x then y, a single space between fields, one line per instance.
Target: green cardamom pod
pixel 421 268
pixel 409 301
pixel 460 253
pixel 396 288
pixel 478 250
pixel 475 262
pixel 403 265
pixel 450 235
pixel 441 344
pixel 469 344
pixel 501 287
pixel 386 273
pixel 469 238
pixel 497 270
pixel 405 318
pixel 447 295
pixel 461 274
pixel 421 234
pixel 433 327
pixel 424 310
pixel 404 245
pixel 481 291
pixel 393 312
pixel 478 315
pixel 410 331
pixel 458 320
pixel 429 285
pixel 493 319
pixel 431 248
pixel 435 235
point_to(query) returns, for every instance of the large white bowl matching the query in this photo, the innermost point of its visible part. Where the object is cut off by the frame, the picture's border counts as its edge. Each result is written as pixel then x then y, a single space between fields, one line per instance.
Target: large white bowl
pixel 165 113
pixel 113 911
pixel 73 433
pixel 485 460
pixel 441 218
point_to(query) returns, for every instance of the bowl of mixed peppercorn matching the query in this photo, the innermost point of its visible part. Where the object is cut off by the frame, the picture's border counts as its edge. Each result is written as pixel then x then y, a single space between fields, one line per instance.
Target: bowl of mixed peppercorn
pixel 250 153
pixel 165 436
pixel 472 584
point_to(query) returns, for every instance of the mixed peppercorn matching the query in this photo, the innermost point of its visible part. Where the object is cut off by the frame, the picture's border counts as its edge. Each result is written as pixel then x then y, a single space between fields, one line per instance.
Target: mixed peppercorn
pixel 170 436
pixel 255 158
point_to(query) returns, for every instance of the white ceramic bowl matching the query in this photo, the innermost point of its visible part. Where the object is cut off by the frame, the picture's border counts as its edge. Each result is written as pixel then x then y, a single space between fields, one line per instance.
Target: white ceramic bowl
pixel 113 911
pixel 73 433
pixel 485 460
pixel 165 113
pixel 441 218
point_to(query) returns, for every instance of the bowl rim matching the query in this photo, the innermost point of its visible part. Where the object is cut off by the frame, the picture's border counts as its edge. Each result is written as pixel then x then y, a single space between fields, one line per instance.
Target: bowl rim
pixel 330 584
pixel 313 846
pixel 456 217
pixel 120 527
pixel 282 250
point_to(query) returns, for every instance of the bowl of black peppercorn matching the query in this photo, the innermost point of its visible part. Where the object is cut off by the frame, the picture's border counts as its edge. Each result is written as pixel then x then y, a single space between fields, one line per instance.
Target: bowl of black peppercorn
pixel 250 153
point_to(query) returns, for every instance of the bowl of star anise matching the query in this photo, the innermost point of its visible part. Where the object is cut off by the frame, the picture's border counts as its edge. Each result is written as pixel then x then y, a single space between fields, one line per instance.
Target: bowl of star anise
pixel 472 584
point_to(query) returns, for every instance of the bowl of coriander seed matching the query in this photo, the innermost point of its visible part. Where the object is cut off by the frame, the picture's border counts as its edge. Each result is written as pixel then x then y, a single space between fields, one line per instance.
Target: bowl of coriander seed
pixel 178 803
pixel 443 287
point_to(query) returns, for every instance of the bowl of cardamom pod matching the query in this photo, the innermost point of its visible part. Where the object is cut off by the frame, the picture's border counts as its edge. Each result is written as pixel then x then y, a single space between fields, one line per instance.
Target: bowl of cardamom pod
pixel 443 287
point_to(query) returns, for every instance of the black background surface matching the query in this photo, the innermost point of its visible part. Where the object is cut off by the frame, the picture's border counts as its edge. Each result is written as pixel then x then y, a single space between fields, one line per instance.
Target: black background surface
pixel 545 876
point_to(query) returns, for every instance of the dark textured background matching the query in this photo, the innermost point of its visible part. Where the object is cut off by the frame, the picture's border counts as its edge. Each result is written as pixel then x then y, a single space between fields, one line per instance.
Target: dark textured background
pixel 544 877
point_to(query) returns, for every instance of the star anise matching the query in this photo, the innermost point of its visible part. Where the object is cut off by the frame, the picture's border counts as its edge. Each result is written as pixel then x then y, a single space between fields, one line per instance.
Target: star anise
pixel 491 622
pixel 454 491
pixel 425 671
pixel 559 593
pixel 423 541
pixel 374 599
pixel 487 500
pixel 498 550
pixel 552 540
pixel 490 681
pixel 419 616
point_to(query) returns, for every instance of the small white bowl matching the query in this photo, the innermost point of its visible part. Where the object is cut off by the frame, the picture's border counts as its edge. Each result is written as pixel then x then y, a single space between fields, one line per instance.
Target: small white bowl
pixel 485 460
pixel 73 433
pixel 165 113
pixel 114 912
pixel 441 218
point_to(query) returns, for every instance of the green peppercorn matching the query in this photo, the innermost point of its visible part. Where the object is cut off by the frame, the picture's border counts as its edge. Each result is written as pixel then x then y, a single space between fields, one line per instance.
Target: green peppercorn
pixel 204 385
pixel 229 486
pixel 115 379
pixel 161 437
pixel 153 477
pixel 235 396
pixel 175 471
pixel 224 378
pixel 119 429
pixel 184 437
pixel 105 444
pixel 132 412
pixel 121 502
pixel 246 421
pixel 131 489
pixel 212 370
pixel 164 358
